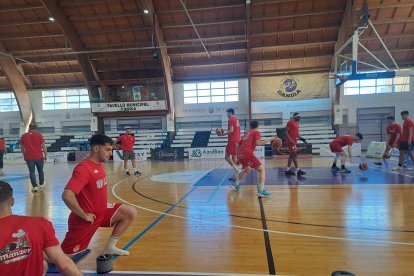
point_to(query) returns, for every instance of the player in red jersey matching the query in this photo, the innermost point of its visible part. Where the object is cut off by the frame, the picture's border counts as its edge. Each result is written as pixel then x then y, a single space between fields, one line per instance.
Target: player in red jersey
pixel 2 153
pixel 393 137
pixel 336 147
pixel 127 142
pixel 86 196
pixel 291 140
pixel 233 133
pixel 24 240
pixel 34 151
pixel 247 159
pixel 406 141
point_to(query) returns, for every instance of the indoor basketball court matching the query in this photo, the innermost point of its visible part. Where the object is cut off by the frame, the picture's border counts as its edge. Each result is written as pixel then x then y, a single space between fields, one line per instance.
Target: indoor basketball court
pixel 178 86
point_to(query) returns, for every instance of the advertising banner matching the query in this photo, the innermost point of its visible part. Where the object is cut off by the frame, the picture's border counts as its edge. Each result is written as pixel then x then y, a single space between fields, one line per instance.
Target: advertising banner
pixel 140 155
pixel 17 157
pixel 289 88
pixel 128 106
pixel 167 154
pixel 376 150
pixel 217 152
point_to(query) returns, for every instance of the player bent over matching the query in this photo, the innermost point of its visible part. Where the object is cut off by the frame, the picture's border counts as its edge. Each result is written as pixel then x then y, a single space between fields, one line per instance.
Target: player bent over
pixel 336 147
pixel 393 137
pixel 247 159
pixel 86 196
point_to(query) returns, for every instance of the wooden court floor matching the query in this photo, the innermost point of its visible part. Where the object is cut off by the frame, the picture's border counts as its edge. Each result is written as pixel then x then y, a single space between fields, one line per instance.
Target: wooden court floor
pixel 190 221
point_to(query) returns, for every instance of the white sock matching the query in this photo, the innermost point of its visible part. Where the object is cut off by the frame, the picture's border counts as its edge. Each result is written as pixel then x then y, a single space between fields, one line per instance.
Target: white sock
pixel 287 169
pixel 261 186
pixel 110 248
pixel 297 169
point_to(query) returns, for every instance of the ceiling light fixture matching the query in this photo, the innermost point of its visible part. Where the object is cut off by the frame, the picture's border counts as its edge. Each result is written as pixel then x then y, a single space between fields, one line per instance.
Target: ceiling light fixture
pixel 51 19
pixel 146 11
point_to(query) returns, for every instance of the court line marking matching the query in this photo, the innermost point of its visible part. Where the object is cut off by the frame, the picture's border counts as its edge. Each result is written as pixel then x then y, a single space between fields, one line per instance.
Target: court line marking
pixel 257 229
pixel 395 172
pixel 184 273
pixel 218 186
pixel 268 246
pixel 152 224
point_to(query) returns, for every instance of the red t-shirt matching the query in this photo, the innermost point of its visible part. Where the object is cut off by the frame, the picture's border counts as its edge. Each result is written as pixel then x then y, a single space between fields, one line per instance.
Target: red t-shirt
pixel 235 136
pixel 406 126
pixel 127 142
pixel 393 130
pixel 292 128
pixel 32 142
pixel 345 140
pixel 89 183
pixel 22 242
pixel 2 144
pixel 248 142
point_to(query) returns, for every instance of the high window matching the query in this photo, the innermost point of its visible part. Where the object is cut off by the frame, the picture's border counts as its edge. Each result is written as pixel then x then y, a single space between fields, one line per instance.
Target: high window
pixel 377 86
pixel 211 92
pixel 65 99
pixel 8 102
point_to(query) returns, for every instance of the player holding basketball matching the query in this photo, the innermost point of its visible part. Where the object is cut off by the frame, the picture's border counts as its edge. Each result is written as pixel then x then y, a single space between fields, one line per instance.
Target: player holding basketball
pixel 393 137
pixel 86 196
pixel 247 159
pixel 233 133
pixel 336 147
pixel 127 142
pixel 292 135
pixel 406 141
pixel 24 240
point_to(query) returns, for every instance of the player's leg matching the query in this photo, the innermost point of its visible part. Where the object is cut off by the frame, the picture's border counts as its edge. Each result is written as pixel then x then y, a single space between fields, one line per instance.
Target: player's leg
pixel 411 154
pixel 403 149
pixel 335 149
pixel 289 164
pixel 134 164
pixel 343 159
pixel 120 218
pixel 262 177
pixel 297 171
pixel 126 156
pixel 31 165
pixel 40 165
pixel 231 152
pixel 240 176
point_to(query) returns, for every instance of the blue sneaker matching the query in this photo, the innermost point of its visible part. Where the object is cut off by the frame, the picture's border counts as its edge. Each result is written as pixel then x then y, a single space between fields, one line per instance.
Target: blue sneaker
pixel 235 187
pixel 335 168
pixel 344 171
pixel 263 193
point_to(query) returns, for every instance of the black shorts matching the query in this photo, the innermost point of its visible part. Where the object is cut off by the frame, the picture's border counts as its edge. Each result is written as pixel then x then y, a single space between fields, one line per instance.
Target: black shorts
pixel 129 155
pixel 404 146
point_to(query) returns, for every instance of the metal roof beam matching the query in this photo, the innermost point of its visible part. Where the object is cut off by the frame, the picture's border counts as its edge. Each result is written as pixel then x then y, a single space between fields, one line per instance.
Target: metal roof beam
pixel 199 8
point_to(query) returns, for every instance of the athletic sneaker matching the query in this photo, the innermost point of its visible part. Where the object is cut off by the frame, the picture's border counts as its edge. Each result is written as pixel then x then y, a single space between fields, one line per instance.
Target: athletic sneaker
pixel 137 173
pixel 233 177
pixel 300 172
pixel 289 172
pixel 35 189
pixel 335 168
pixel 263 193
pixel 378 163
pixel 345 171
pixel 398 168
pixel 42 185
pixel 235 187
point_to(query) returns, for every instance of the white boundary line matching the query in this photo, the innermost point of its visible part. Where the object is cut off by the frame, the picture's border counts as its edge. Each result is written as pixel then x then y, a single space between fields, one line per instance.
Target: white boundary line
pixel 261 230
pixel 185 273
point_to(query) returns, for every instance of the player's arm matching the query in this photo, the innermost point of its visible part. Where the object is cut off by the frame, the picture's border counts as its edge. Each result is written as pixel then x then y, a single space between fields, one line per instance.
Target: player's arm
pixel 69 197
pixel 229 131
pixel 302 139
pixel 410 135
pixel 22 148
pixel 397 138
pixel 264 142
pixel 65 265
pixel 44 147
pixel 288 136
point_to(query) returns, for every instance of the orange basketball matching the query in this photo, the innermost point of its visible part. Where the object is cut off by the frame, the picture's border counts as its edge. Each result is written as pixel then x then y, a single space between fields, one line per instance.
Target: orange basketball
pixel 277 144
pixel 363 166
pixel 219 131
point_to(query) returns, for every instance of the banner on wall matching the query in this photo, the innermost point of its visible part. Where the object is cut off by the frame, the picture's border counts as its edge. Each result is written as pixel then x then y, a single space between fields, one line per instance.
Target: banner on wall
pixel 128 106
pixel 17 157
pixel 217 152
pixel 376 150
pixel 140 155
pixel 289 88
pixel 167 154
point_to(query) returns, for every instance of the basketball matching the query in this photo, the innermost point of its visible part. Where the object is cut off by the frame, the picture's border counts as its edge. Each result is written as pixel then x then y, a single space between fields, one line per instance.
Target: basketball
pixel 219 131
pixel 276 144
pixel 363 166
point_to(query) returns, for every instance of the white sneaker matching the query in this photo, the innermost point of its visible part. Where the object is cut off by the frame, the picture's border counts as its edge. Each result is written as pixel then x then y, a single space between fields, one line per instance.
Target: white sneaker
pixel 35 189
pixel 42 185
pixel 398 168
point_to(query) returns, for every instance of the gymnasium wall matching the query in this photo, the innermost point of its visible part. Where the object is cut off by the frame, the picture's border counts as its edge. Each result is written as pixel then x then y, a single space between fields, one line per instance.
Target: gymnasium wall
pixel 400 101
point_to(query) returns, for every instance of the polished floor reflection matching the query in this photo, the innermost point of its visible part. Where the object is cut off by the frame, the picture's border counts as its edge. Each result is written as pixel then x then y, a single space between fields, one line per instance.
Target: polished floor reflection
pixel 190 221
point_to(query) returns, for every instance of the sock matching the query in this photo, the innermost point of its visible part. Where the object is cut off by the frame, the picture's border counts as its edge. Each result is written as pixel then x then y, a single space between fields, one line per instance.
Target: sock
pixel 287 169
pixel 343 167
pixel 334 164
pixel 261 186
pixel 110 248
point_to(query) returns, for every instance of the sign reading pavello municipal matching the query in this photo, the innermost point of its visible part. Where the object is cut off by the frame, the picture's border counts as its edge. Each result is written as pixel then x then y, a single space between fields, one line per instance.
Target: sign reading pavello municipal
pixel 128 106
